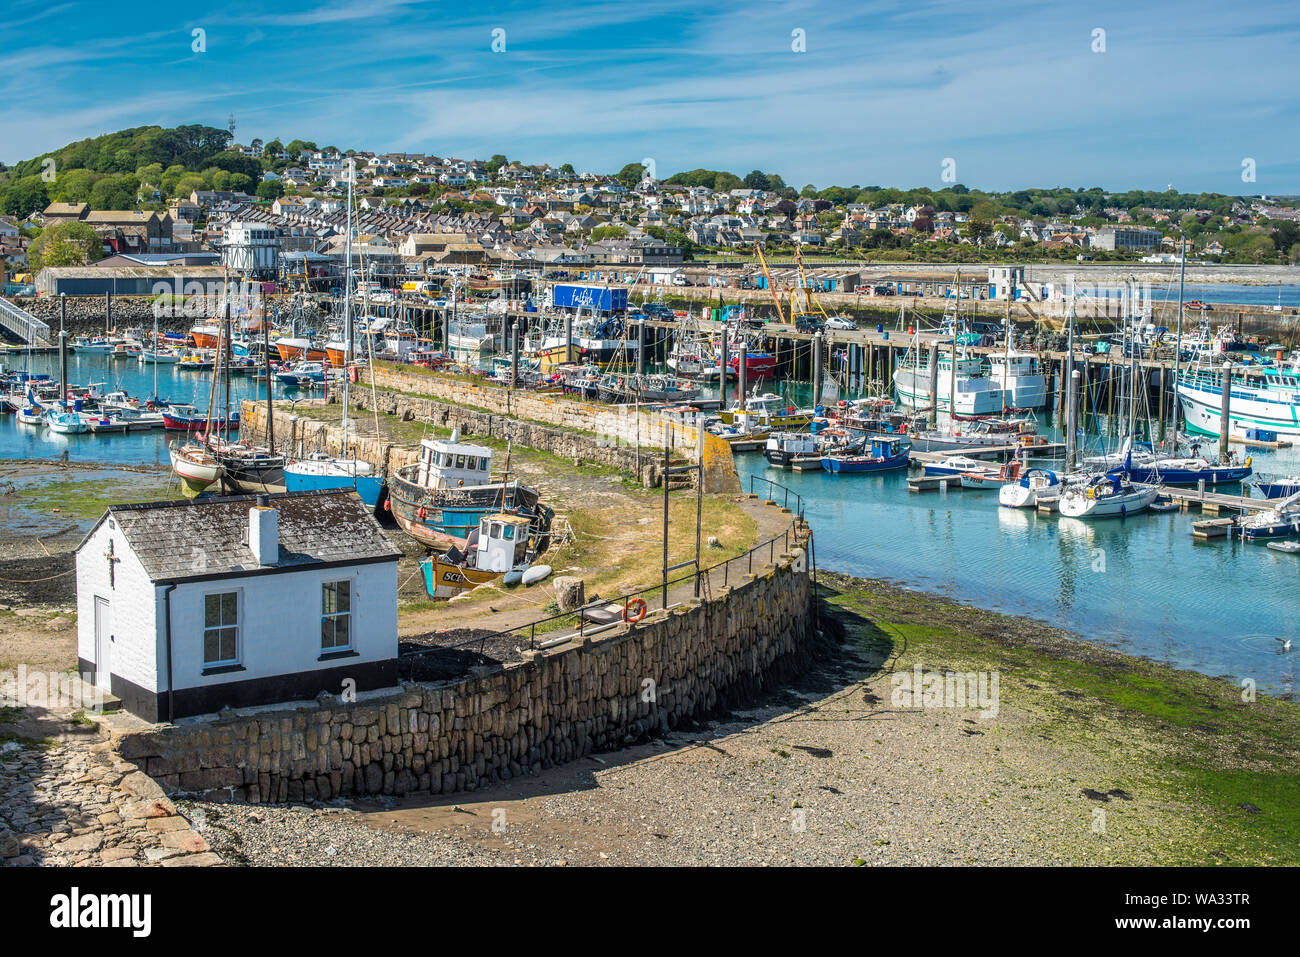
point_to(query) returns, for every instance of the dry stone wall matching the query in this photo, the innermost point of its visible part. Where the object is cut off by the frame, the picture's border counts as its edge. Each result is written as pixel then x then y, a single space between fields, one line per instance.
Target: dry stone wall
pixel 558 705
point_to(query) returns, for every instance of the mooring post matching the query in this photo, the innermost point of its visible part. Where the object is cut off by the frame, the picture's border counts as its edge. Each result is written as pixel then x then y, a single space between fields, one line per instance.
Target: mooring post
pixel 742 369
pixel 1072 420
pixel 568 338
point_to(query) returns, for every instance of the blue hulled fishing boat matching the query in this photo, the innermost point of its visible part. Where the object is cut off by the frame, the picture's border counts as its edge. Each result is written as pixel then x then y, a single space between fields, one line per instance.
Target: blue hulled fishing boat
pixel 885 454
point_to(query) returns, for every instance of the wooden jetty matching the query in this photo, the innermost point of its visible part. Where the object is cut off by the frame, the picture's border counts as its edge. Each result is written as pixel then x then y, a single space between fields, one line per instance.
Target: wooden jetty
pixel 1211 503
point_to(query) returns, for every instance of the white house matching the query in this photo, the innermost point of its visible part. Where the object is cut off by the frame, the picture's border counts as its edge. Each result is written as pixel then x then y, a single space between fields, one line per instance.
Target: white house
pixel 187 607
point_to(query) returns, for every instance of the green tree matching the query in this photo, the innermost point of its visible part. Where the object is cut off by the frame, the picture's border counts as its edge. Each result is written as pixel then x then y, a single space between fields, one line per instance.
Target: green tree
pixel 65 244
pixel 24 197
pixel 270 189
pixel 115 192
pixel 630 175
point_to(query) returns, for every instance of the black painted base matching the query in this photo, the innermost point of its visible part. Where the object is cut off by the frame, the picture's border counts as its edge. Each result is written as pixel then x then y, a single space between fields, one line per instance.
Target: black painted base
pixel 153 706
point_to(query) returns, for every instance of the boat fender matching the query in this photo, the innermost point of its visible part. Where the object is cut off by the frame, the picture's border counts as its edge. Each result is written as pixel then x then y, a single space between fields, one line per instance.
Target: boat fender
pixel 1090 494
pixel 421 512
pixel 352 373
pixel 634 610
pixel 1249 458
pixel 388 505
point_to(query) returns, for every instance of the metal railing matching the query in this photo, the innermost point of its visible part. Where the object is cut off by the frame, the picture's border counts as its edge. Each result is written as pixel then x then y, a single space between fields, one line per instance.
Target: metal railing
pixel 23 324
pixel 794 534
pixel 773 489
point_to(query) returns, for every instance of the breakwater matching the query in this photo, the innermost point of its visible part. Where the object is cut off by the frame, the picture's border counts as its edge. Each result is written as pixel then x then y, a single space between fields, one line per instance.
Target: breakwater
pixel 555 706
pixel 614 436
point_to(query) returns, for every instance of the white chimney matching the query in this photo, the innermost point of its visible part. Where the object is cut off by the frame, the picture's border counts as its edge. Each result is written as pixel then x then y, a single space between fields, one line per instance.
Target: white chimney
pixel 264 532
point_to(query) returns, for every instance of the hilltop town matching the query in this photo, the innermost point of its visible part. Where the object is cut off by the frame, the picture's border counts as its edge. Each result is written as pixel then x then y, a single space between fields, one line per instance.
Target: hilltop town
pixel 155 191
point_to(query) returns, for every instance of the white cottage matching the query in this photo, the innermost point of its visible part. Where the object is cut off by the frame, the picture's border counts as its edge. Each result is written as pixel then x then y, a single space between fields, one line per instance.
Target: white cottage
pixel 186 607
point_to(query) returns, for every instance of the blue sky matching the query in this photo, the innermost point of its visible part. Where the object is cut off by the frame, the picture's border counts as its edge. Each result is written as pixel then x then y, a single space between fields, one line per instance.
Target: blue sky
pixel 1012 91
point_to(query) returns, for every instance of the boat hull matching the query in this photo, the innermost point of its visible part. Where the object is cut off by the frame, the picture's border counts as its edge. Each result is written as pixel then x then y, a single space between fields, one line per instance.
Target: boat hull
pixel 442 579
pixel 837 465
pixel 368 487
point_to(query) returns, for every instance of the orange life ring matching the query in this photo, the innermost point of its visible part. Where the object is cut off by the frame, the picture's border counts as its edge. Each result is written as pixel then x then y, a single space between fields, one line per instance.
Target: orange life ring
pixel 640 612
pixel 421 512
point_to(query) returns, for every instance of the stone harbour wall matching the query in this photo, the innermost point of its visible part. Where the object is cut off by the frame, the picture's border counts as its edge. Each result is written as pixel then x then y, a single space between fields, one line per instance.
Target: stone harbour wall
pixel 557 705
pixel 305 435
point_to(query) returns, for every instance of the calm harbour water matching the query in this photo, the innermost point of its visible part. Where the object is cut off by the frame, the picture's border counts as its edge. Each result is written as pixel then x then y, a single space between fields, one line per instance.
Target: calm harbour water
pixel 1139 584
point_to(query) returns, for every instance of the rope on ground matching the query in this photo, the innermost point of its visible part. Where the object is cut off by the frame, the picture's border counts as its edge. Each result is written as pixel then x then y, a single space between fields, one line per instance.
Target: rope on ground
pixel 34 581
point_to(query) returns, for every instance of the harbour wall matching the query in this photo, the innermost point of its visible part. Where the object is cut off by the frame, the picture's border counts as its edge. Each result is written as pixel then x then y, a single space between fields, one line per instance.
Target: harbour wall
pixel 555 706
pixel 616 437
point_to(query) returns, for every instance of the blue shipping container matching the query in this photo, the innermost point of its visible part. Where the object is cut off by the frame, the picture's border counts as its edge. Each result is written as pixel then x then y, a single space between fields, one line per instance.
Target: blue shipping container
pixel 599 298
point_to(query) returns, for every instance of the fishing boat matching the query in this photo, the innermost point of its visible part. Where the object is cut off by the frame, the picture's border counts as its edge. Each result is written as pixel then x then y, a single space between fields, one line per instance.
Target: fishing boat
pixel 302 374
pixel 502 543
pixel 65 423
pixel 1282 521
pixel 159 357
pixel 1106 496
pixel 319 472
pixel 773 411
pixel 1277 486
pixel 1265 398
pixel 95 346
pixel 782 448
pixel 186 418
pixel 1020 378
pixel 654 387
pixel 959 386
pixel 249 469
pixel 1029 488
pixel 197 362
pixel 759 364
pixel 195 464
pixel 205 336
pixel 441 498
pixel 984 433
pixel 104 424
pixel 294 348
pixel 886 454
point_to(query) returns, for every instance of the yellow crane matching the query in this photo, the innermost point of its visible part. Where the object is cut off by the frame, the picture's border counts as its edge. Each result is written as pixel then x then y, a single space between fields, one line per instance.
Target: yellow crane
pixel 780 316
pixel 810 301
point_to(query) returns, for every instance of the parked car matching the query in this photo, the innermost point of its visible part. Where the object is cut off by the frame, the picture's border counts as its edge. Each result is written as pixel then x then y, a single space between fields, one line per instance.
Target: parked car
pixel 841 322
pixel 807 323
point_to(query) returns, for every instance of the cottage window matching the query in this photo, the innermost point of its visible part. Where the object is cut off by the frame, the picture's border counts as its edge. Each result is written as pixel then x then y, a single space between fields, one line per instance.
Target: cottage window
pixel 336 616
pixel 221 628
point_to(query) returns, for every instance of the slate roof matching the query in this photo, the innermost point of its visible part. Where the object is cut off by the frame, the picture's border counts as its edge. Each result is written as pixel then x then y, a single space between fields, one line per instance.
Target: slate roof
pixel 181 540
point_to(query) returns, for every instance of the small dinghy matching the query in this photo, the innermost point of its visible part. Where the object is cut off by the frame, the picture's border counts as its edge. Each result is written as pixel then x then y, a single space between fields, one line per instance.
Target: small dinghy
pixel 535 574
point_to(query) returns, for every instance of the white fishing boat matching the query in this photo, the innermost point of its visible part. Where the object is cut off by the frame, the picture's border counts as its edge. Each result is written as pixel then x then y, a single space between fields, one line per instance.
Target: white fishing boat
pixel 1021 379
pixel 963 389
pixel 1267 400
pixel 987 478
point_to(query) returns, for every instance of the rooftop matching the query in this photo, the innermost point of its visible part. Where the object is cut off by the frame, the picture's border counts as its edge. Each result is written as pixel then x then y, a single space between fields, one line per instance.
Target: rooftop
pixel 205 538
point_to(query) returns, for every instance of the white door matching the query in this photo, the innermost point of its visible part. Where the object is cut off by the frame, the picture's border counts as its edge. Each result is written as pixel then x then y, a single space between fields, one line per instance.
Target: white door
pixel 103 644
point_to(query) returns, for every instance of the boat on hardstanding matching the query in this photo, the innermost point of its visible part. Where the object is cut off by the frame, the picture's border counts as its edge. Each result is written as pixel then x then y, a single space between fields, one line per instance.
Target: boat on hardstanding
pixel 502 543
pixel 1281 521
pixel 1026 491
pixel 194 463
pixel 1105 496
pixel 441 498
pixel 885 455
pixel 319 471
